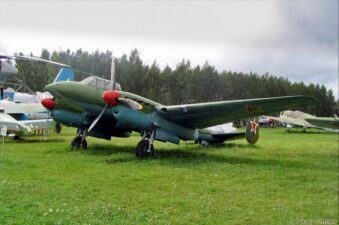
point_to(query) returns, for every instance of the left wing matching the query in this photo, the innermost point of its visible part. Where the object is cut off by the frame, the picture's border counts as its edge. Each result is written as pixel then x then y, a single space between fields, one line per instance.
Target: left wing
pixel 203 115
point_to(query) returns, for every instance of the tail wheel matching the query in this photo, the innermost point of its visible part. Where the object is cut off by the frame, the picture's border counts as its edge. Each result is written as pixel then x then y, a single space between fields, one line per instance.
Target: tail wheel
pixel 143 150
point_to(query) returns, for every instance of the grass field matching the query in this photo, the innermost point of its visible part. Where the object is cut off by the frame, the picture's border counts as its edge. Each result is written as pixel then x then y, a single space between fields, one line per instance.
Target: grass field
pixel 286 178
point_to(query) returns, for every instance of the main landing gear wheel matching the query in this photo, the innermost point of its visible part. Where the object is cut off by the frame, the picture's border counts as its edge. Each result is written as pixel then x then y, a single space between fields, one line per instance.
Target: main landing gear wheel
pixel 144 149
pixel 16 138
pixel 79 142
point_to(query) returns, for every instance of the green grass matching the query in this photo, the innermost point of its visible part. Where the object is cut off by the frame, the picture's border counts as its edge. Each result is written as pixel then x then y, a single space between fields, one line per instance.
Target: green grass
pixel 286 178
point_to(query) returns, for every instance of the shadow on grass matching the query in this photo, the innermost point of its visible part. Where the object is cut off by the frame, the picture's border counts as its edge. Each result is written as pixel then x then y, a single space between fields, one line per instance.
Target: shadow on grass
pixel 191 156
pixel 234 145
pixel 42 140
pixel 308 132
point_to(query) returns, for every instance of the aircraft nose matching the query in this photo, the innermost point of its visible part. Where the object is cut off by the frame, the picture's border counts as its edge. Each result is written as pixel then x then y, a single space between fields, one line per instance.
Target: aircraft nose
pixel 62 88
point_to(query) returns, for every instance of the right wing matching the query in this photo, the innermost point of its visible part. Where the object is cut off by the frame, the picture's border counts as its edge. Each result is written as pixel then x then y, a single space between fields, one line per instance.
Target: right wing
pixel 203 115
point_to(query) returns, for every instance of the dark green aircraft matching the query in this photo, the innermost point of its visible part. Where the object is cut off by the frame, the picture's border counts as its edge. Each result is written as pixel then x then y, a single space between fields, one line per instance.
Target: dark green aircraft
pixel 98 108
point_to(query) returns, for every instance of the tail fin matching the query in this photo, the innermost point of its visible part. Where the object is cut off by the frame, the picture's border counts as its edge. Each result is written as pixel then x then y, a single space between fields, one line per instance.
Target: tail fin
pixel 252 131
pixel 65 74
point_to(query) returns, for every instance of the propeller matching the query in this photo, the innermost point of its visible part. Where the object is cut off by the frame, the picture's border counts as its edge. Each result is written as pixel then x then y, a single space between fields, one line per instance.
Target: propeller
pixel 97 119
pixel 106 106
pixel 113 98
pixel 113 80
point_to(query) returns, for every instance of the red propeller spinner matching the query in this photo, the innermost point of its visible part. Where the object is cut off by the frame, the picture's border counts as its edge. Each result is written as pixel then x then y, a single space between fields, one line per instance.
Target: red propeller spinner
pixel 111 97
pixel 48 103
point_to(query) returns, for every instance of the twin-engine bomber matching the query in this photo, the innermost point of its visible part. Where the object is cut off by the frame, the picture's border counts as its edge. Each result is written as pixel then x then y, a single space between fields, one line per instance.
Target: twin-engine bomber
pixel 99 108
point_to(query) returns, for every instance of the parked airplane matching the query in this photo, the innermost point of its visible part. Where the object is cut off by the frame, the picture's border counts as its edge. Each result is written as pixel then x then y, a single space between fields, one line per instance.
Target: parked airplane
pixel 99 108
pixel 25 118
pixel 304 120
pixel 22 113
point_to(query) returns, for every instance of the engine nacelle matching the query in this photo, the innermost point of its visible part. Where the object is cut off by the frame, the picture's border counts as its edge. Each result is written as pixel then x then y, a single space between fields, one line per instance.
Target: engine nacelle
pixel 69 118
pixel 133 119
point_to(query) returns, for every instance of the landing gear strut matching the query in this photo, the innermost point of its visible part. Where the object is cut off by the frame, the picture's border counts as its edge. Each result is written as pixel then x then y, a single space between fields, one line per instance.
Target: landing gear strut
pixel 145 147
pixel 80 140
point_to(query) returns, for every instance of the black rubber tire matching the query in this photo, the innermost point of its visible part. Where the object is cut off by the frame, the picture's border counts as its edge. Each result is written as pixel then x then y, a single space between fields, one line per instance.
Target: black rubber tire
pixel 83 144
pixel 141 150
pixel 16 138
pixel 76 142
pixel 58 128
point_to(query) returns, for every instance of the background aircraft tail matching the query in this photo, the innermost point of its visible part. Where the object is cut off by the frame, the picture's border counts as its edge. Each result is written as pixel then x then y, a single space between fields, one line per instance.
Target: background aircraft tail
pixel 65 74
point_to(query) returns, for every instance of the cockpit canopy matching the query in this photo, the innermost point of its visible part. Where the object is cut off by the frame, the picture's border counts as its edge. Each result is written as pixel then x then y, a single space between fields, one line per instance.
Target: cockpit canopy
pixel 100 83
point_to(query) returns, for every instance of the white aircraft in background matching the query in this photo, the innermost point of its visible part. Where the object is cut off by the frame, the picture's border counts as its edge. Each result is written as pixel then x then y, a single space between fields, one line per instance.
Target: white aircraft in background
pixel 23 113
pixel 304 120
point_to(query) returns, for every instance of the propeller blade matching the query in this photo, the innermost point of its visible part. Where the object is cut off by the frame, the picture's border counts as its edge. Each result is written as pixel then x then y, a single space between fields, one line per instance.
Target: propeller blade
pixel 113 73
pixel 97 119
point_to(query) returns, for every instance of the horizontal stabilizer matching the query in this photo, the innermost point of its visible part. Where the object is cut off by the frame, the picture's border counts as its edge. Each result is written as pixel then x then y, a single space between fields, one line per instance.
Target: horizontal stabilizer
pixel 229 136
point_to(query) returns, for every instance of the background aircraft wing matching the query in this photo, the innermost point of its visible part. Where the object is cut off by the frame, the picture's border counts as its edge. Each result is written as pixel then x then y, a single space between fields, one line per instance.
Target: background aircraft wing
pixel 36 124
pixel 330 123
pixel 294 121
pixel 12 124
pixel 203 115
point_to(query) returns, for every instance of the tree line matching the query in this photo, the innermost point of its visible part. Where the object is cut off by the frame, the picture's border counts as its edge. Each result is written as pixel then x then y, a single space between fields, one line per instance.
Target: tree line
pixel 170 86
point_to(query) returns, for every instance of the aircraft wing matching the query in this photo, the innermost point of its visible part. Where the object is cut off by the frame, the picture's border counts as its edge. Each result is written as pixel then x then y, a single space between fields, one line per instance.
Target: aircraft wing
pixel 22 108
pixel 36 124
pixel 203 115
pixel 330 123
pixel 22 126
pixel 293 121
pixel 12 124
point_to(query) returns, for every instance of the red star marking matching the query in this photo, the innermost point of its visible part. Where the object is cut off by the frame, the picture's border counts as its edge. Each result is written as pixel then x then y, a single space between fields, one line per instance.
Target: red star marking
pixel 254 126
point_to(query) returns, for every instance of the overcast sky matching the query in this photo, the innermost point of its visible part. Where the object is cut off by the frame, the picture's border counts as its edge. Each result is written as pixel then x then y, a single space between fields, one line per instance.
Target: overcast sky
pixel 298 40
